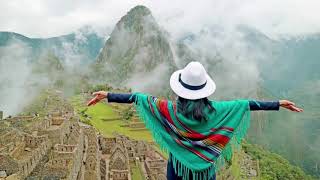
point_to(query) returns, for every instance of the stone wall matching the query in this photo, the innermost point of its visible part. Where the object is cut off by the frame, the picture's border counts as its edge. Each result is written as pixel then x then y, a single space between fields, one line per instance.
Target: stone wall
pixel 106 144
pixel 10 140
pixel 74 133
pixel 57 133
pixel 42 125
pixel 34 141
pixel 67 157
pixel 103 170
pixel 26 166
pixel 20 118
pixel 18 148
pixel 92 162
pixel 78 158
pixel 119 168
pixel 155 164
pixel 64 148
pixel 119 175
pixel 57 121
pixel 155 167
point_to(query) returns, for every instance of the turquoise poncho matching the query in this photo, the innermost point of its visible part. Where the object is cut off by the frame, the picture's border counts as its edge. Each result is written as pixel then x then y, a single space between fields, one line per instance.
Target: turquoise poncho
pixel 199 147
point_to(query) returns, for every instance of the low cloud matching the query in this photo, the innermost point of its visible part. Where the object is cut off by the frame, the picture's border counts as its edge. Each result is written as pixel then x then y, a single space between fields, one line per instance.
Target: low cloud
pixel 17 83
pixel 45 18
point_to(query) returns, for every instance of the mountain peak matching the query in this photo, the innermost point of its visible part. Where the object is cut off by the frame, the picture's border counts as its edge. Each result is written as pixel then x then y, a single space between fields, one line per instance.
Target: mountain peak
pixel 135 18
pixel 140 10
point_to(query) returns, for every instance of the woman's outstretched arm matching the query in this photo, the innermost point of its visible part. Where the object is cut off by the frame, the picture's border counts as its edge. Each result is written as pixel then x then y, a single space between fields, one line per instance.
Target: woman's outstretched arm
pixel 121 98
pixel 111 97
pixel 264 105
pixel 273 105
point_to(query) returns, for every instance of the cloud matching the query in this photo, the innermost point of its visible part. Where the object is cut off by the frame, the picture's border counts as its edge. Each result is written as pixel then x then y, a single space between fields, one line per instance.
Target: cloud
pixel 229 60
pixel 43 18
pixel 17 83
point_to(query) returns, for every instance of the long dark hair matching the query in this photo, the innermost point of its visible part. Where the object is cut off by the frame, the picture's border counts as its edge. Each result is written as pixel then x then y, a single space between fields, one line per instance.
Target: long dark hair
pixel 194 109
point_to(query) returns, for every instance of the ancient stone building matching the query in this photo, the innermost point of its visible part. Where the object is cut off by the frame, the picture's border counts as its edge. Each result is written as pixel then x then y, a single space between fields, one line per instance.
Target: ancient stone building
pixel 106 144
pixel 20 152
pixel 155 167
pixel 119 168
pixel 58 129
pixel 67 155
pixel 103 169
pixel 120 152
pixel 141 148
pixel 66 158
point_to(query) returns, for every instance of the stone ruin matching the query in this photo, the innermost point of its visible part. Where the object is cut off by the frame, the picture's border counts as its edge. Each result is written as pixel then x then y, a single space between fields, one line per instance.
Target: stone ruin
pixel 59 146
pixel 120 153
pixel 93 154
pixel 20 152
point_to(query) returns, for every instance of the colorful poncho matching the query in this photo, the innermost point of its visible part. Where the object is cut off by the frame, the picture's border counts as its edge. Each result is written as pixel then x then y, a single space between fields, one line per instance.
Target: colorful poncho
pixel 197 147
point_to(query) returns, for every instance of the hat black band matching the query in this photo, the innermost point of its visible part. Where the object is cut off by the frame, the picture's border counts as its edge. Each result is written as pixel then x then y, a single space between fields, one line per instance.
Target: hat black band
pixel 190 87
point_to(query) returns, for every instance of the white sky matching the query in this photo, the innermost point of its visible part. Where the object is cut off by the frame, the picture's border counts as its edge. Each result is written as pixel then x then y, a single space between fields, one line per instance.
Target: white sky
pixel 45 18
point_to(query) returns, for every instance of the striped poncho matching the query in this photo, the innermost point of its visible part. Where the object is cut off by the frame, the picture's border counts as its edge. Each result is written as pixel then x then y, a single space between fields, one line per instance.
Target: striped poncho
pixel 196 147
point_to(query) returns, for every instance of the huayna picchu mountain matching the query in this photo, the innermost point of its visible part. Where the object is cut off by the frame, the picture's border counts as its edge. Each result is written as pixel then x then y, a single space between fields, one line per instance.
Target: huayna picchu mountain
pixel 136 49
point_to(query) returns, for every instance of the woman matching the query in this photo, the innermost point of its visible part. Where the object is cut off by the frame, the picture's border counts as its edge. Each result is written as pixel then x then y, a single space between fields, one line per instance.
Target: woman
pixel 196 132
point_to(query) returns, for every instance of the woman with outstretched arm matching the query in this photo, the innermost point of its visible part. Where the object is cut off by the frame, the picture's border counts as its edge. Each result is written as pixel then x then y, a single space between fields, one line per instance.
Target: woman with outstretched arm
pixel 196 132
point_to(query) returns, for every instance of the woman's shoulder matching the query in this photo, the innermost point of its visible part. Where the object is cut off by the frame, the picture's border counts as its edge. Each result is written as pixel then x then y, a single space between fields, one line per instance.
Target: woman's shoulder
pixel 152 97
pixel 226 103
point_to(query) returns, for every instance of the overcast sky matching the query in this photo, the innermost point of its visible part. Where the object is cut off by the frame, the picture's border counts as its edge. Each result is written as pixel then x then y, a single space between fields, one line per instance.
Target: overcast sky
pixel 46 18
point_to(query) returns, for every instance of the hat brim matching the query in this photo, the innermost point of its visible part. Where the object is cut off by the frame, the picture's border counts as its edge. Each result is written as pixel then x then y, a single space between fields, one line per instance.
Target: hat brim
pixel 183 92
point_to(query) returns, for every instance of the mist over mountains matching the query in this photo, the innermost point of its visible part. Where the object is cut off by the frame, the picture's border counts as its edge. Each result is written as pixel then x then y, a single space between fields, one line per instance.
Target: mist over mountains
pixel 140 54
pixel 80 47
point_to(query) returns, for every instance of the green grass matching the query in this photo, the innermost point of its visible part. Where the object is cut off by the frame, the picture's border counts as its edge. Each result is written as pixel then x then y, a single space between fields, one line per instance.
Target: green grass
pixel 136 173
pixel 235 167
pixel 103 110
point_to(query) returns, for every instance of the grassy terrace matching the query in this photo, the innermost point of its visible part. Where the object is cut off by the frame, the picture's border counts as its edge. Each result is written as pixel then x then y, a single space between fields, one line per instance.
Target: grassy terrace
pixel 99 113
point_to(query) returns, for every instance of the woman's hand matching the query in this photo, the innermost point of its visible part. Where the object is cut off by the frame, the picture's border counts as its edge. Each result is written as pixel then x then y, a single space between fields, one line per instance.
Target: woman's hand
pixel 98 97
pixel 290 105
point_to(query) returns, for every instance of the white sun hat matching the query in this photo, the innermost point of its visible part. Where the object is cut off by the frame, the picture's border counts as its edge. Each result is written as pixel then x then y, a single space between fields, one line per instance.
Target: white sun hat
pixel 192 82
